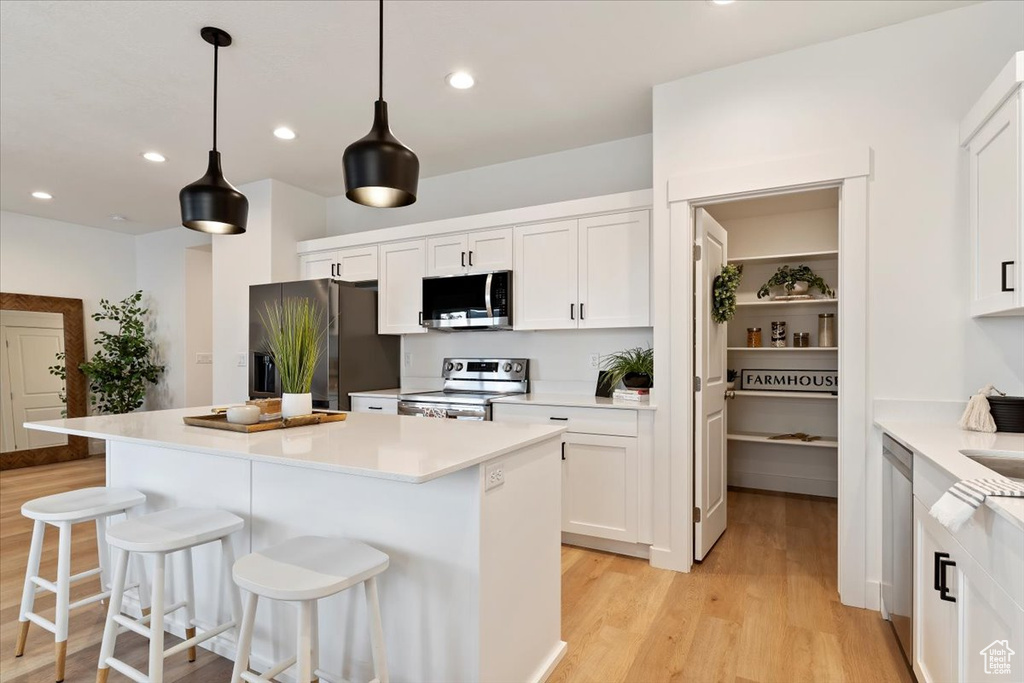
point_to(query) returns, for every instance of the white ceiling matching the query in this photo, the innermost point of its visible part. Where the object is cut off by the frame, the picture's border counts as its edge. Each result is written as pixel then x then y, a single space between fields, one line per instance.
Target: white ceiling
pixel 86 87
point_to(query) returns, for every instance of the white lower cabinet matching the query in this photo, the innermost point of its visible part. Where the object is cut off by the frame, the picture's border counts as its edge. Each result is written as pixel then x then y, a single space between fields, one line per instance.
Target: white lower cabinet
pixel 379 405
pixel 965 625
pixel 599 486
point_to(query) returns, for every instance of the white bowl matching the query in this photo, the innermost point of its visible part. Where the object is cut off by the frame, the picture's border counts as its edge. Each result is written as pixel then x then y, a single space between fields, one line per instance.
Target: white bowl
pixel 244 415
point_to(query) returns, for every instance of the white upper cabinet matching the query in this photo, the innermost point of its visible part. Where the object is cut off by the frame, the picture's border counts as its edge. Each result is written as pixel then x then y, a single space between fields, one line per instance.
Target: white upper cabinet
pixel 402 267
pixel 475 252
pixel 614 270
pixel 993 134
pixel 545 280
pixel 358 264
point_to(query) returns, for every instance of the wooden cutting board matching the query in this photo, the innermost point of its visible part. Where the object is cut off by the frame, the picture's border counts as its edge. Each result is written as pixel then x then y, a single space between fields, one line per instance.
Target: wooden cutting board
pixel 220 421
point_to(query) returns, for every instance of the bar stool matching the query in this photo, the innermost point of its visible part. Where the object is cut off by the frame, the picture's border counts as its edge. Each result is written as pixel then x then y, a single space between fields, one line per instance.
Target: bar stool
pixel 305 570
pixel 160 534
pixel 62 510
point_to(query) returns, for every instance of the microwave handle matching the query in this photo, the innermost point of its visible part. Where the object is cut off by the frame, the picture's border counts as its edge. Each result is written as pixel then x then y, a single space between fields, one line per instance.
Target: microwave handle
pixel 487 293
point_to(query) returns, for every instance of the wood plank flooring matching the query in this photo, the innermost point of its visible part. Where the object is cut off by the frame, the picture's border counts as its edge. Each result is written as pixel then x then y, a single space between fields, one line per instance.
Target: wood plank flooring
pixel 763 607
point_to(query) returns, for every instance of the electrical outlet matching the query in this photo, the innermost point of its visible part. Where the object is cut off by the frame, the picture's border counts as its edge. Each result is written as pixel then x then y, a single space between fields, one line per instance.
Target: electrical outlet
pixel 242 358
pixel 494 475
pixel 408 360
pixel 595 360
pixel 204 358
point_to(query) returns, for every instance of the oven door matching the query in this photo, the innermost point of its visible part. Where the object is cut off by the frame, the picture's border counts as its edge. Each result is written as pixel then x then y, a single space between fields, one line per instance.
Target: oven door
pixel 481 301
pixel 451 411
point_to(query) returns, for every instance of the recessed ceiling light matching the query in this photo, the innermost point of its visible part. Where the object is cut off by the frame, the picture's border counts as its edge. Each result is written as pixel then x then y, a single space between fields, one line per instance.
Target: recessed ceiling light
pixel 39 194
pixel 284 133
pixel 721 2
pixel 460 80
pixel 118 217
pixel 155 157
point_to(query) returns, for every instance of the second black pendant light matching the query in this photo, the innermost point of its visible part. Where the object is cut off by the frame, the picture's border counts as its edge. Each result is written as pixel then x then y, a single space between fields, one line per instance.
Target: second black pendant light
pixel 379 170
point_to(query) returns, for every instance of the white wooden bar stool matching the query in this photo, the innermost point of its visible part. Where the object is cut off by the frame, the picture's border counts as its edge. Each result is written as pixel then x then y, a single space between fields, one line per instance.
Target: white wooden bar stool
pixel 62 510
pixel 160 534
pixel 305 570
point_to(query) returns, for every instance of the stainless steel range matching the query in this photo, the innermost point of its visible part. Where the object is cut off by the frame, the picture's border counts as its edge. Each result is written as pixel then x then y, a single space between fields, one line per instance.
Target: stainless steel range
pixel 470 384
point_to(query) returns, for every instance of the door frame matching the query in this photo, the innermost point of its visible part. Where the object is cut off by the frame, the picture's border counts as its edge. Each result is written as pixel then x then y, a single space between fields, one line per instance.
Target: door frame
pixel 847 170
pixel 74 348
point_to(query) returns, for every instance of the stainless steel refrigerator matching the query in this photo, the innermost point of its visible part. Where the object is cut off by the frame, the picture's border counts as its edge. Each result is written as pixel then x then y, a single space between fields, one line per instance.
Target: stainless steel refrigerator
pixel 357 358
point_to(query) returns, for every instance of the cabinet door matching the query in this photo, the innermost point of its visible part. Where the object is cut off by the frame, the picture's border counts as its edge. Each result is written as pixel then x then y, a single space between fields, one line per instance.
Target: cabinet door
pixel 358 264
pixel 935 620
pixel 599 486
pixel 615 270
pixel 997 217
pixel 318 265
pixel 402 266
pixel 446 255
pixel 545 278
pixel 490 250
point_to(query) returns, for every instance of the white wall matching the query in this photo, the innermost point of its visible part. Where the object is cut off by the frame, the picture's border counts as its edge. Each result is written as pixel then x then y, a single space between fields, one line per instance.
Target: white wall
pixel 607 168
pixel 198 324
pixel 559 359
pixel 900 90
pixel 161 275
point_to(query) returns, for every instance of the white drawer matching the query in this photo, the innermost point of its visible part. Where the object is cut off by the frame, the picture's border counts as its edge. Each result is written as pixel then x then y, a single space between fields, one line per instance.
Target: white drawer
pixel 610 421
pixel 365 404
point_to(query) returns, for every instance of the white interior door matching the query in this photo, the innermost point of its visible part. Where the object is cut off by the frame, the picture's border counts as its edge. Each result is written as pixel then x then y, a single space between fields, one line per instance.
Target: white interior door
pixel 33 393
pixel 709 467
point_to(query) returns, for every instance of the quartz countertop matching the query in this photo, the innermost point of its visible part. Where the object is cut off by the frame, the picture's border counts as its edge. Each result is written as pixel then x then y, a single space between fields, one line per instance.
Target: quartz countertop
pixel 408 449
pixel 575 400
pixel 941 442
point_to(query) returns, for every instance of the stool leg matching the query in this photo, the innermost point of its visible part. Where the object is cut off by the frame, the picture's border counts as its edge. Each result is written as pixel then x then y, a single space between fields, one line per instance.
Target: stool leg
pixel 103 552
pixel 140 576
pixel 63 597
pixel 156 624
pixel 380 663
pixel 28 594
pixel 113 609
pixel 228 560
pixel 303 647
pixel 190 602
pixel 315 637
pixel 245 639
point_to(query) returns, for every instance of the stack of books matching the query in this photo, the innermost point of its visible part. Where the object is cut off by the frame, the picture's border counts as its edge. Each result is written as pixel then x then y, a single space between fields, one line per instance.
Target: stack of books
pixel 637 395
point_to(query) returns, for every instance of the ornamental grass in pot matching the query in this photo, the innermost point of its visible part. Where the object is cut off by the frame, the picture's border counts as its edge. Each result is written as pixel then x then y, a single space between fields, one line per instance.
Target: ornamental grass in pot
pixel 295 340
pixel 634 368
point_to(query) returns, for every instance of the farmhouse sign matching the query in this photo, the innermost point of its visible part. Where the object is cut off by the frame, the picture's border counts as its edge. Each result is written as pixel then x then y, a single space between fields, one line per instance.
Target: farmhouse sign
pixel 826 381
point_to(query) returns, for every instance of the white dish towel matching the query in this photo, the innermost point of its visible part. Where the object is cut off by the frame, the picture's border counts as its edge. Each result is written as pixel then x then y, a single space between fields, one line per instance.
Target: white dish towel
pixel 957 504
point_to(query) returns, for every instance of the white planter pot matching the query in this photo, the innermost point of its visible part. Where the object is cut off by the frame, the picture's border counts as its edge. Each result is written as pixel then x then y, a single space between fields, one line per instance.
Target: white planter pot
pixel 296 405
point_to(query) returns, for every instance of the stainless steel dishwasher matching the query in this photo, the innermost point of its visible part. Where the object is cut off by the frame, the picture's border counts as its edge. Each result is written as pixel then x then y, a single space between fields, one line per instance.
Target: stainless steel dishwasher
pixel 898 541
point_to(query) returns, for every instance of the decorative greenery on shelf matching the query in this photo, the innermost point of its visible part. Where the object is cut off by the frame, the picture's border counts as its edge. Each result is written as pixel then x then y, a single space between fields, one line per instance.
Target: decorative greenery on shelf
pixel 295 340
pixel 723 297
pixel 732 375
pixel 123 364
pixel 626 366
pixel 788 277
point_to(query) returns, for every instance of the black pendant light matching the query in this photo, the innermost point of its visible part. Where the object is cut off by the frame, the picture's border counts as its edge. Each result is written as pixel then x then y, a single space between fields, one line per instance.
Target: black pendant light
pixel 212 204
pixel 379 170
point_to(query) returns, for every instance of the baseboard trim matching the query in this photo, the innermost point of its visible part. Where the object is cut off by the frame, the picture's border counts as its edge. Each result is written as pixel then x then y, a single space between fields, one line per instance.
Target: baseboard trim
pixel 618 547
pixel 548 667
pixel 778 482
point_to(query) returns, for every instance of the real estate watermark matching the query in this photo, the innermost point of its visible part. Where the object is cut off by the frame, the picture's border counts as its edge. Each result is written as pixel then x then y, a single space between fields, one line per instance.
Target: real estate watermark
pixel 997 657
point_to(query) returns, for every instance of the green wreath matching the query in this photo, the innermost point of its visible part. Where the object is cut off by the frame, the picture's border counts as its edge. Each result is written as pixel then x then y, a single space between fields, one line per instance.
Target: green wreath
pixel 723 294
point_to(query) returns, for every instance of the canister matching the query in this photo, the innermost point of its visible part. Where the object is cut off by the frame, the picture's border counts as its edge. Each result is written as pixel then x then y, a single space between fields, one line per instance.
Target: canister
pixel 779 333
pixel 754 337
pixel 801 340
pixel 826 329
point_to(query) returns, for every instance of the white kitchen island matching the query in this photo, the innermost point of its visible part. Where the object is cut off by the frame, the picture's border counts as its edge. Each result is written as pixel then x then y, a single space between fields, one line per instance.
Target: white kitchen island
pixel 473 589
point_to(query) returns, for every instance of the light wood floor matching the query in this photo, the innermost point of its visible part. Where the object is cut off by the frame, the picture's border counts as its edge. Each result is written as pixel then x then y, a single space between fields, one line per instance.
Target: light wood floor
pixel 763 607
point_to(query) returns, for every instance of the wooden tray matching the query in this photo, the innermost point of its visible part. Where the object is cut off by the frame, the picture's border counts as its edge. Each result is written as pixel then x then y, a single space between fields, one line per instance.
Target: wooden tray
pixel 220 421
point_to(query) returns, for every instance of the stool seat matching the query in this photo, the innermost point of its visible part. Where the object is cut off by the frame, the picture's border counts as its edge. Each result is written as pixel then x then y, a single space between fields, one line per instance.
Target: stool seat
pixel 82 505
pixel 308 568
pixel 171 530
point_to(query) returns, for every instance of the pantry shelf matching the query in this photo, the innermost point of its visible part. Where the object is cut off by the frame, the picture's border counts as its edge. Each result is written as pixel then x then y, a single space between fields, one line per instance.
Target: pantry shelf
pixel 758 437
pixel 810 395
pixel 795 302
pixel 786 349
pixel 785 258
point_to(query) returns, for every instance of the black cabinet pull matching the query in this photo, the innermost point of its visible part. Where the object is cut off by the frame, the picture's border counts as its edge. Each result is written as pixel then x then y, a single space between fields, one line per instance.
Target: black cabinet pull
pixel 463 259
pixel 582 317
pixel 563 450
pixel 1005 280
pixel 560 419
pixel 470 258
pixel 572 311
pixel 334 270
pixel 421 317
pixel 375 407
pixel 941 564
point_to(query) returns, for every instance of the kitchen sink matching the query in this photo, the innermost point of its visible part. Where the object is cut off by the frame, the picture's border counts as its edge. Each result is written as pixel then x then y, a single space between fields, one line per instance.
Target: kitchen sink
pixel 1007 463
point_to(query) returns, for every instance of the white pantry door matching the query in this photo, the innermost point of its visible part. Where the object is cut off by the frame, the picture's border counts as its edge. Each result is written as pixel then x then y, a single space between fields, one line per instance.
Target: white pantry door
pixel 709 467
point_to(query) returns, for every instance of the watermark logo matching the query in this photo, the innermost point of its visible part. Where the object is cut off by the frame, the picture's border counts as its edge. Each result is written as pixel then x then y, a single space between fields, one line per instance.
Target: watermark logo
pixel 997 657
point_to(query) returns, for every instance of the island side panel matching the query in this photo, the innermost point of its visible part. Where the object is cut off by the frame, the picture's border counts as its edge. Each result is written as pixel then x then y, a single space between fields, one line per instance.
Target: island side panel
pixel 175 478
pixel 429 594
pixel 520 555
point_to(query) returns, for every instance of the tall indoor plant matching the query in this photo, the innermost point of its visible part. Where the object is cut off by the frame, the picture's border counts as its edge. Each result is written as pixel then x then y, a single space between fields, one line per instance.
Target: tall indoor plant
pixel 124 362
pixel 295 340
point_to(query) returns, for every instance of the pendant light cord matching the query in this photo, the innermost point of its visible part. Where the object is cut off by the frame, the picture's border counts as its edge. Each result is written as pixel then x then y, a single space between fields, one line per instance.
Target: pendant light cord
pixel 380 70
pixel 215 49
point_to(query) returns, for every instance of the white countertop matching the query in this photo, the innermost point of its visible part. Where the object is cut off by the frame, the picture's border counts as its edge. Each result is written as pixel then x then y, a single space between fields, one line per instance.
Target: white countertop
pixel 575 400
pixel 378 393
pixel 406 449
pixel 941 442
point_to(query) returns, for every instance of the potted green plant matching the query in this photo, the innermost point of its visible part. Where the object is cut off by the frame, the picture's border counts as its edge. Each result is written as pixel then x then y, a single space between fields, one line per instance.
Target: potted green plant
pixel 796 281
pixel 295 333
pixel 730 378
pixel 124 360
pixel 634 368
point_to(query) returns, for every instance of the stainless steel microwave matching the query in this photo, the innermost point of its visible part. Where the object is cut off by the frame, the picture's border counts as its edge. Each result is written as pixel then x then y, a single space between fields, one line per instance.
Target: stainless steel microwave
pixel 478 301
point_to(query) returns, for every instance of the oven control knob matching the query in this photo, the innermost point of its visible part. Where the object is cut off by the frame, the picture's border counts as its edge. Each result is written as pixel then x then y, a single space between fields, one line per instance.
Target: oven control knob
pixel 519 367
pixel 448 367
pixel 507 367
pixel 458 366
